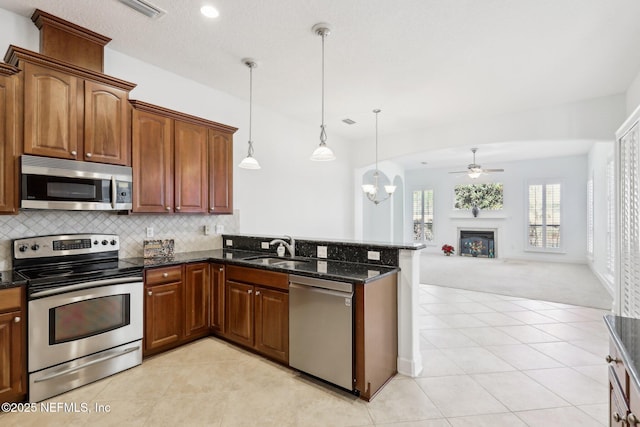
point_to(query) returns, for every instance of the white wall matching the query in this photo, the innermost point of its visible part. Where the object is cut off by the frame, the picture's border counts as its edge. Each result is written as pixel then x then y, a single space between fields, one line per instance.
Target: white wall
pixel 633 95
pixel 290 194
pixel 511 221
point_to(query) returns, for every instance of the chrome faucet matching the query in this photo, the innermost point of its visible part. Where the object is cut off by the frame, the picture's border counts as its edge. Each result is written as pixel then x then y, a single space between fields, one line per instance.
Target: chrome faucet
pixel 291 247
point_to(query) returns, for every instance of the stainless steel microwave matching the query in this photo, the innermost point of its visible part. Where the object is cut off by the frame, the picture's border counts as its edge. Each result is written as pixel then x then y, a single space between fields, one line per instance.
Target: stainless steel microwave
pixel 48 183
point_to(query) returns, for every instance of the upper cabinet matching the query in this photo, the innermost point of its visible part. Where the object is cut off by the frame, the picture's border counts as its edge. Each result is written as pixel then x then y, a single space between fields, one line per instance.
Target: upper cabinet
pixel 8 136
pixel 73 113
pixel 181 163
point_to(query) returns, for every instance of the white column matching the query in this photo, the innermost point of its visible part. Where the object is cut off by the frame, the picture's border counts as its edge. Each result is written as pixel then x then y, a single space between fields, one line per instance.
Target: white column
pixel 409 357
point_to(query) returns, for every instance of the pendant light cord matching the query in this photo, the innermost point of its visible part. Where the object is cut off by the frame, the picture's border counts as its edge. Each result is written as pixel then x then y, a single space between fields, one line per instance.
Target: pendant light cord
pixel 251 65
pixel 323 133
pixel 377 111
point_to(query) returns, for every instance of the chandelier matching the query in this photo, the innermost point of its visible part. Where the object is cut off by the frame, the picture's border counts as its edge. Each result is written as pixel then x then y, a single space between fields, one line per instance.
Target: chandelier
pixel 372 190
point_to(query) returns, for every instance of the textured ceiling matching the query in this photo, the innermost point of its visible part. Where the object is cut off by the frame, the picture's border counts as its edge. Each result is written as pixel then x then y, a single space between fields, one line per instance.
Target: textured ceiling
pixel 423 62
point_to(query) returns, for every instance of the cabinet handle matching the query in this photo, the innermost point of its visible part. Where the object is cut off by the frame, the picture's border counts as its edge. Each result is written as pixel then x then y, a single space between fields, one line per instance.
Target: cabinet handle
pixel 212 208
pixel 177 208
pixel 250 291
pixel 632 419
pixel 257 292
pixel 221 269
pixel 74 153
pixel 88 154
pixel 165 274
pixel 149 293
pixel 17 319
pixel 610 359
pixel 617 418
pixel 168 208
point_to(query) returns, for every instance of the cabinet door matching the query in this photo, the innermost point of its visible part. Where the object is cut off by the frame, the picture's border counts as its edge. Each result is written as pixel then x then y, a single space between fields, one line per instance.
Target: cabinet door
pixel 272 323
pixel 12 379
pixel 239 312
pixel 163 315
pixel 152 158
pixel 8 124
pixel 191 174
pixel 217 298
pixel 197 289
pixel 220 172
pixel 106 124
pixel 50 113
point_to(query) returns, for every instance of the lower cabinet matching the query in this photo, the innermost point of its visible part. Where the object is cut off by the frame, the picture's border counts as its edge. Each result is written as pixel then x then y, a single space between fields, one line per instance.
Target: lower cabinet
pixel 217 299
pixel 257 310
pixel 13 366
pixel 197 308
pixel 624 398
pixel 163 308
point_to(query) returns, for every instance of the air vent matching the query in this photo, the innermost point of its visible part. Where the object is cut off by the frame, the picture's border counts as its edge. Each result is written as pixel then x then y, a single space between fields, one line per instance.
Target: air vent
pixel 146 8
pixel 348 121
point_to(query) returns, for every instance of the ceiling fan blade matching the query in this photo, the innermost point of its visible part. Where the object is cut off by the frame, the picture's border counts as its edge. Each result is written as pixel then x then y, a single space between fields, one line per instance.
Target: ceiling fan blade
pixel 492 170
pixel 460 172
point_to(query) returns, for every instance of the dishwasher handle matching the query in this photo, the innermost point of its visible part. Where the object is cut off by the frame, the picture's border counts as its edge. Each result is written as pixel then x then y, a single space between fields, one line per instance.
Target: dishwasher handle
pixel 320 283
pixel 321 290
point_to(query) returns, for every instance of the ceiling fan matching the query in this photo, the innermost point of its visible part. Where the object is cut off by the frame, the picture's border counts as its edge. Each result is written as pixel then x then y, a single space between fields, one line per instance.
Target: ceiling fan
pixel 474 170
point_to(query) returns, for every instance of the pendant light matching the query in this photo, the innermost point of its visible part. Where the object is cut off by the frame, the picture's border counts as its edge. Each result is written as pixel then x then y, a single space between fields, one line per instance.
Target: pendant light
pixel 323 153
pixel 371 190
pixel 250 162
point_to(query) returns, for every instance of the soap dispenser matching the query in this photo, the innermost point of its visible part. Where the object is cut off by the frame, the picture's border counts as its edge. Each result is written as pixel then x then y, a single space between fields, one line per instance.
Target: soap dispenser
pixel 280 250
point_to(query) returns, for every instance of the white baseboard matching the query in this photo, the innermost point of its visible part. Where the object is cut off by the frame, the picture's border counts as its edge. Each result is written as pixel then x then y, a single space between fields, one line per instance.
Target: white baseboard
pixel 409 367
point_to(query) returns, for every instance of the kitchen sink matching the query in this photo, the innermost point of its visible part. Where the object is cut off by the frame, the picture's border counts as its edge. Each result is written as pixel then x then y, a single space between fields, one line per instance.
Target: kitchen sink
pixel 276 261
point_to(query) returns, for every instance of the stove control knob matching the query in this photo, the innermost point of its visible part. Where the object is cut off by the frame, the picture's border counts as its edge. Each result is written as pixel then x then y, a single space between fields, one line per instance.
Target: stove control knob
pixel 95 242
pixel 23 248
pixel 35 247
pixel 104 242
pixel 113 242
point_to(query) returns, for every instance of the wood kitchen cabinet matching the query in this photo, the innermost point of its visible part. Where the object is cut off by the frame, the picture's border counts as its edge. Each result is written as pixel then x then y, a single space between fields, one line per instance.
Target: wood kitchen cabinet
pixel 217 299
pixel 8 135
pixel 376 334
pixel 257 310
pixel 13 366
pixel 197 292
pixel 190 170
pixel 70 112
pixel 164 309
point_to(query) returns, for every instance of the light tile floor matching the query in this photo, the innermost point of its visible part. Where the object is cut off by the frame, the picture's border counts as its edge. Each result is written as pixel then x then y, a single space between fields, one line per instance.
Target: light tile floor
pixel 490 360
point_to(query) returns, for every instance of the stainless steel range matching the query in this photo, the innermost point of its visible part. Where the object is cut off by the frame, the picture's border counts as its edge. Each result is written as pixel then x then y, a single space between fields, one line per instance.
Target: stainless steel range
pixel 85 310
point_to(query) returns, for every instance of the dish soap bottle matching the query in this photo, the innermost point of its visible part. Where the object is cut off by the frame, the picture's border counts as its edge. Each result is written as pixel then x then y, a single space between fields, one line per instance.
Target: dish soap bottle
pixel 280 250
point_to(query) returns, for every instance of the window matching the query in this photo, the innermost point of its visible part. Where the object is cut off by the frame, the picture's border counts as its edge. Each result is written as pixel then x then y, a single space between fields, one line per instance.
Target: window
pixel 590 217
pixel 484 196
pixel 423 215
pixel 544 216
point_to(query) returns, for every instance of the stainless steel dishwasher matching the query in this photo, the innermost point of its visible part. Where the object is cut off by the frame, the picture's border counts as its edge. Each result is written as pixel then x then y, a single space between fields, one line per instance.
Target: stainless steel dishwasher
pixel 321 329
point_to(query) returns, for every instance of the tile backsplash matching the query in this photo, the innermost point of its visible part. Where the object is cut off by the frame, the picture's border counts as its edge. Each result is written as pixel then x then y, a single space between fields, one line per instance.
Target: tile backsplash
pixel 186 230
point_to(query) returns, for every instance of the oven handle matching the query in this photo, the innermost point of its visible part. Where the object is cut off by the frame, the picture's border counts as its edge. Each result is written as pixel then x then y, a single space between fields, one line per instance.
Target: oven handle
pixel 86 285
pixel 93 362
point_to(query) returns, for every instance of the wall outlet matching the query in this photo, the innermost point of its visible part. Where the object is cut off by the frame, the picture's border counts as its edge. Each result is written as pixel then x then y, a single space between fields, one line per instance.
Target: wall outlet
pixel 229 242
pixel 322 251
pixel 264 245
pixel 219 228
pixel 373 255
pixel 207 230
pixel 149 231
pixel 322 267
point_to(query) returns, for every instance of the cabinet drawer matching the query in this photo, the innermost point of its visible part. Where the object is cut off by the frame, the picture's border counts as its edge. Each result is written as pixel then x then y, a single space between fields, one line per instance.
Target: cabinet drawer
pixel 618 367
pixel 257 276
pixel 157 276
pixel 10 299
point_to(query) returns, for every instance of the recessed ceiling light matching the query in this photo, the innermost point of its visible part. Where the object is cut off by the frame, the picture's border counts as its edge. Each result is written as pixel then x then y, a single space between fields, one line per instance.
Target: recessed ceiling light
pixel 209 11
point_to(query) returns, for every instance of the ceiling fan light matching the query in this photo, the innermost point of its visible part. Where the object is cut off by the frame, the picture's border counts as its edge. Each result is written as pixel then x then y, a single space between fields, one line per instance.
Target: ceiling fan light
pixel 249 162
pixel 389 189
pixel 323 154
pixel 473 174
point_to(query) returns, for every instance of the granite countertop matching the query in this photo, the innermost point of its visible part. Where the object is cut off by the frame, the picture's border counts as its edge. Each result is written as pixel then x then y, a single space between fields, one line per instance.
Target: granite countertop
pixel 11 279
pixel 625 332
pixel 323 269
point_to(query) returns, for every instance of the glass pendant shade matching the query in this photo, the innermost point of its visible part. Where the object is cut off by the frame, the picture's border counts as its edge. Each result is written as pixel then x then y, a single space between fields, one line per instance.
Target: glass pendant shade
pixel 473 174
pixel 249 162
pixel 369 188
pixel 323 154
pixel 389 189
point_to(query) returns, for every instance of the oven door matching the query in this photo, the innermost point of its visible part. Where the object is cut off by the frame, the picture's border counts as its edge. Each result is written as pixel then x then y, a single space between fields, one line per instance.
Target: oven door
pixel 89 318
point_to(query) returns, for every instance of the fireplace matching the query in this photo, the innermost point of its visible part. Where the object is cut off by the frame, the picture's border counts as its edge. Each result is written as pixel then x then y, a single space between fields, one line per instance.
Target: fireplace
pixel 477 243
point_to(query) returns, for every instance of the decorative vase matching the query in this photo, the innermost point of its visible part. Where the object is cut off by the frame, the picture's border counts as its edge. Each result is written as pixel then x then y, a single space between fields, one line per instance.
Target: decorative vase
pixel 474 253
pixel 475 211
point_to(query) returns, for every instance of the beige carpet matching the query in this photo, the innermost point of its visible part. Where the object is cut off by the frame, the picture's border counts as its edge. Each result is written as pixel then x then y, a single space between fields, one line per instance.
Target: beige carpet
pixel 548 281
